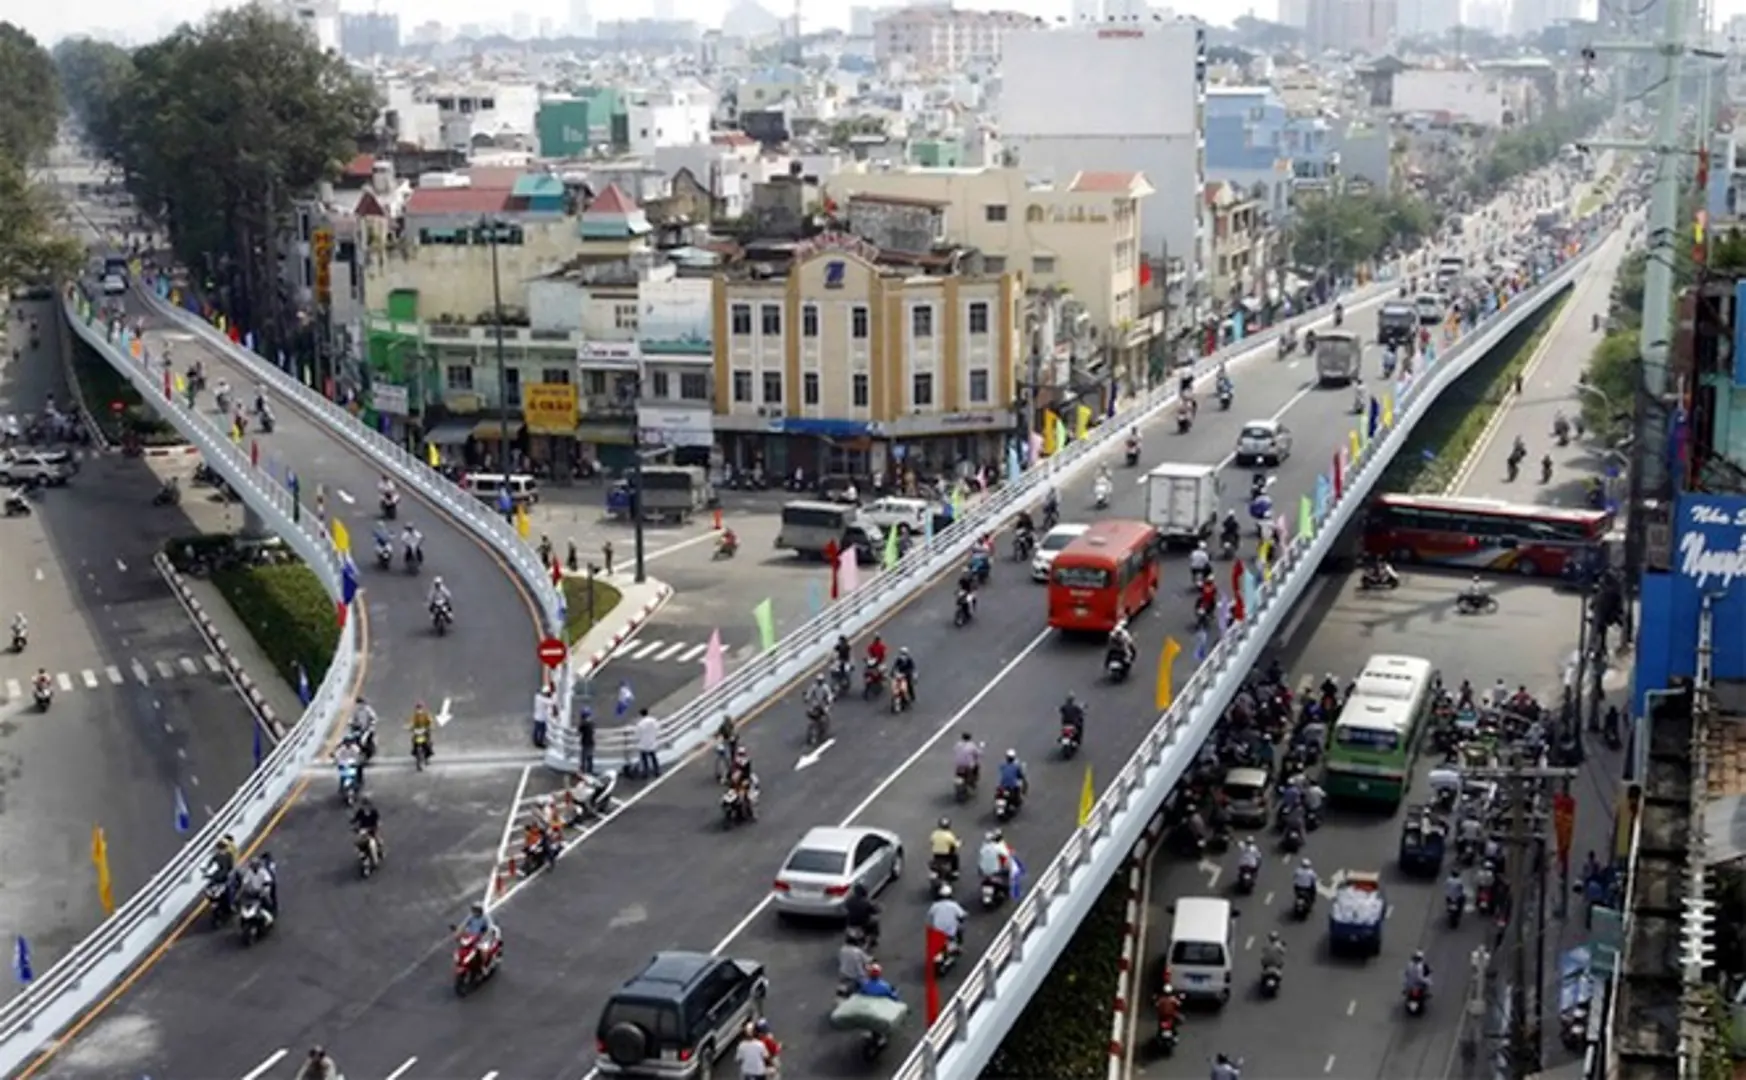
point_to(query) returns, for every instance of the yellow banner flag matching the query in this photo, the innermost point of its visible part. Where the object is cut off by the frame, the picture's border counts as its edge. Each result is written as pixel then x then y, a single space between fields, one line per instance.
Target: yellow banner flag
pixel 1388 410
pixel 1087 799
pixel 1051 433
pixel 100 859
pixel 181 385
pixel 342 540
pixel 522 525
pixel 1081 422
pixel 430 455
pixel 1166 665
pixel 1356 446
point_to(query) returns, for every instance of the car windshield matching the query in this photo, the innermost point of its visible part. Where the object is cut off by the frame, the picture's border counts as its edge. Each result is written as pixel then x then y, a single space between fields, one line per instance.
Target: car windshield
pixel 817 861
pixel 1257 431
pixel 1243 792
pixel 1197 954
pixel 1057 541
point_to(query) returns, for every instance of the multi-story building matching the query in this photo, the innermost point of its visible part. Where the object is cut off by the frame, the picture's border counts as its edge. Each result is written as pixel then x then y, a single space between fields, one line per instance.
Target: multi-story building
pixel 1352 26
pixel 1464 96
pixel 1241 252
pixel 320 17
pixel 1429 18
pixel 1080 238
pixel 1128 98
pixel 943 38
pixel 367 34
pixel 1257 145
pixel 679 116
pixel 834 356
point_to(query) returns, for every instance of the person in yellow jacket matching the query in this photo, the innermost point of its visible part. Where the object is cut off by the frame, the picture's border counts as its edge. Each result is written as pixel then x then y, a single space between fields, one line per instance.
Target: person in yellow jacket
pixel 420 724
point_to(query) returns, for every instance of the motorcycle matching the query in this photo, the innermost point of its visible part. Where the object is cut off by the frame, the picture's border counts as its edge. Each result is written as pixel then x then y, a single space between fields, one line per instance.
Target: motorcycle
pixel 725 549
pixel 17 505
pixel 369 853
pixel 872 681
pixel 1302 901
pixel 1024 545
pixel 964 610
pixel 413 558
pixel 19 640
pixel 942 870
pixel 168 495
pixel 1378 581
pixel 1184 421
pixel 217 894
pixel 1117 664
pixel 1069 741
pixel 1546 470
pixel 980 567
pixel 390 507
pixel 1485 900
pixel 1006 804
pixel 1270 979
pixel 1455 905
pixel 737 808
pixel 818 726
pixel 1131 456
pixel 1167 1037
pixel 384 557
pixel 963 785
pixel 1292 841
pixel 1470 603
pixel 44 695
pixel 947 958
pixel 1228 548
pixel 420 749
pixel 351 784
pixel 1100 495
pixel 253 920
pixel 475 961
pixel 1416 998
pixel 841 675
pixel 994 892
pixel 441 617
pixel 266 420
pixel 902 695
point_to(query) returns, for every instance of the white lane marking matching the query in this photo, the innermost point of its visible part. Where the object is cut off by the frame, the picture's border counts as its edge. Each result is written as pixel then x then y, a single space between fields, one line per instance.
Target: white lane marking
pixel 891 778
pixel 1249 943
pixel 812 757
pixel 121 566
pixel 346 497
pixel 1329 1067
pixel 165 671
pixel 492 1075
pixel 671 549
pixel 1351 1006
pixel 65 680
pixel 667 653
pixel 139 672
pixel 444 715
pixel 90 678
pixel 188 665
pixel 693 653
pixel 644 650
pixel 213 664
pixel 13 693
pixel 261 1070
pixel 1267 901
pixel 114 674
pixel 503 844
pixel 39 573
pixel 401 1071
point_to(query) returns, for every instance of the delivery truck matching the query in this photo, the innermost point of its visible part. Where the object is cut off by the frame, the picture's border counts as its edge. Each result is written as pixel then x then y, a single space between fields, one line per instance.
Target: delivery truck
pixel 1182 502
pixel 1339 355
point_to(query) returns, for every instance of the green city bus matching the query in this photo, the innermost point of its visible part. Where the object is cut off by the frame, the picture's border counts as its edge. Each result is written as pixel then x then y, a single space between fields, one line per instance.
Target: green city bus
pixel 1375 741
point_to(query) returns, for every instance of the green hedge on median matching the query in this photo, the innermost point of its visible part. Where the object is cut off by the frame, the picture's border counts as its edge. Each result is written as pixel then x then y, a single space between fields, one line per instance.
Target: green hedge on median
pixel 1063 1033
pixel 291 616
pixel 101 386
pixel 581 612
pixel 1451 429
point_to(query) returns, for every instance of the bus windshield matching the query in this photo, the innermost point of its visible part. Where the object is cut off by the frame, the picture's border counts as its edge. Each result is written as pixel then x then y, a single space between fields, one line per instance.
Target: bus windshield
pixel 1359 738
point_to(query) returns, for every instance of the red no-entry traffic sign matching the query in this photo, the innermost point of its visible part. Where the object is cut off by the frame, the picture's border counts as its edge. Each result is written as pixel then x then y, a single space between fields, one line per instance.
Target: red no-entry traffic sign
pixel 552 652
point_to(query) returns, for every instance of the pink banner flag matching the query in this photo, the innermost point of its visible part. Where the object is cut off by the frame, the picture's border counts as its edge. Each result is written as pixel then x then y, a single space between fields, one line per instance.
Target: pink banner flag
pixel 848 572
pixel 714 661
pixel 1284 533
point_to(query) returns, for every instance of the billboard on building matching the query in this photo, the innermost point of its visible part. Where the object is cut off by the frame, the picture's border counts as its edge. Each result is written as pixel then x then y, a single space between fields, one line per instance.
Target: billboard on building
pixel 1129 81
pixel 1709 563
pixel 680 312
pixel 321 250
pixel 549 408
pixel 562 127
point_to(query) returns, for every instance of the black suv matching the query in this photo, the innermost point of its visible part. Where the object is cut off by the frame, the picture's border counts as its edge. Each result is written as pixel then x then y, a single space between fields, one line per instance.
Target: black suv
pixel 678 1015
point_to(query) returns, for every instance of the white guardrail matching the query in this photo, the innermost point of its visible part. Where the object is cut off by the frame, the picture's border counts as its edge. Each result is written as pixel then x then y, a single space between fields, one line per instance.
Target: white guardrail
pixel 800 649
pixel 58 996
pixel 996 989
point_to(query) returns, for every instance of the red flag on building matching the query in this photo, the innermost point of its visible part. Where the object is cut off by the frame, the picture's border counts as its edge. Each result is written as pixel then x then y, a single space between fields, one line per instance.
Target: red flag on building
pixel 1145 274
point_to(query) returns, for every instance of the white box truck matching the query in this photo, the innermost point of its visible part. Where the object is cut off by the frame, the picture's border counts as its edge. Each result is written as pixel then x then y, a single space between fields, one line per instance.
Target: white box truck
pixel 1182 501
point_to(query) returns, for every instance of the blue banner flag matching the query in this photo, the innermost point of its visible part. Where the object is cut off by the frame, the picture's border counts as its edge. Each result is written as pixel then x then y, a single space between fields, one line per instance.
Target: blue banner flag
pixel 21 960
pixel 259 750
pixel 1018 877
pixel 348 581
pixel 1375 415
pixel 1013 467
pixel 1200 645
pixel 303 693
pixel 183 821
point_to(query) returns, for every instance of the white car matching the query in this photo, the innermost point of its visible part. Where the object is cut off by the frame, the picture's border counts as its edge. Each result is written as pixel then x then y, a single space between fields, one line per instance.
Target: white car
pixel 1052 544
pixel 1263 442
pixel 114 284
pixel 34 468
pixel 894 512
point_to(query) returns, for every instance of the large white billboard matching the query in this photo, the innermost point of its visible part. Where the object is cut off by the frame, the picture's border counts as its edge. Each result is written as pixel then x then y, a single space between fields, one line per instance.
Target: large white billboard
pixel 1126 80
pixel 680 311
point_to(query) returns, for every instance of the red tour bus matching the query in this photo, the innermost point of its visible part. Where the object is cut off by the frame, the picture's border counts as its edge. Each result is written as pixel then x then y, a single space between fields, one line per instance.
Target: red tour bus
pixel 1481 534
pixel 1106 574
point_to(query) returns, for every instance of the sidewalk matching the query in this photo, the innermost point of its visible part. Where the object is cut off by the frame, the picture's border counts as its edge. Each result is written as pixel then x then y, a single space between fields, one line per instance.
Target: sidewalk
pixel 241 643
pixel 637 604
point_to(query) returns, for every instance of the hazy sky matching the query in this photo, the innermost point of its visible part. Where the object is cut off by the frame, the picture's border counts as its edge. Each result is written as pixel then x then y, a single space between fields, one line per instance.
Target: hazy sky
pixel 142 20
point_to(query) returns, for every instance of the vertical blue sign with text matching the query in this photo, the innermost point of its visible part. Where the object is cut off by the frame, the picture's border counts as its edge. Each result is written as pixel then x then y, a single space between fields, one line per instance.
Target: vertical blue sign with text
pixel 1709 560
pixel 1740 334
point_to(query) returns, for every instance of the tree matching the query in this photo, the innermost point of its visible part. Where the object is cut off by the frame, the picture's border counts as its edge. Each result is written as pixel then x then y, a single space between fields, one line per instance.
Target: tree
pixel 1341 231
pixel 30 104
pixel 92 75
pixel 218 127
pixel 1526 148
pixel 30 249
pixel 1613 373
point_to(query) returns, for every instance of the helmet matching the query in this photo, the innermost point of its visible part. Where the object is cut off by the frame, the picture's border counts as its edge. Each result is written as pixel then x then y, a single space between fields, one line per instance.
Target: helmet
pixel 874 971
pixel 964 737
pixel 1169 990
pixel 762 1027
pixel 819 678
pixel 944 892
pixel 1071 700
pixel 1012 755
pixel 945 823
pixel 1418 956
pixel 1305 863
pixel 903 651
pixel 437 581
pixel 478 908
pixel 1273 936
pixel 994 835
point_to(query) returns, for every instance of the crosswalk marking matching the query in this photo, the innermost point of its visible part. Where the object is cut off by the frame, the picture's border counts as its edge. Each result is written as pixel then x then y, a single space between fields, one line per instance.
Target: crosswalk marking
pixel 165 671
pixel 213 664
pixel 667 653
pixel 661 651
pixel 65 680
pixel 643 649
pixel 189 666
pixel 93 678
pixel 90 678
pixel 139 672
pixel 13 693
pixel 694 653
pixel 114 674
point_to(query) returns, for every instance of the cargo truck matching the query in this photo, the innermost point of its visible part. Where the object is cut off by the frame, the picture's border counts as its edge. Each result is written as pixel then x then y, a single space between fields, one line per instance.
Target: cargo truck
pixel 1338 357
pixel 1182 502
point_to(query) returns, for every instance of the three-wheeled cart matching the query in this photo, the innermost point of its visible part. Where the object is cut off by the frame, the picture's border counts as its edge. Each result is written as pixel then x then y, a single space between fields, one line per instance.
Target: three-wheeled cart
pixel 1356 914
pixel 876 1018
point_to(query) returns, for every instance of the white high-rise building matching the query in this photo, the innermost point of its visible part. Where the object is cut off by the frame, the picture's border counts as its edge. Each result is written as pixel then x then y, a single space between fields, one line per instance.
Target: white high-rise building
pixel 581 19
pixel 320 17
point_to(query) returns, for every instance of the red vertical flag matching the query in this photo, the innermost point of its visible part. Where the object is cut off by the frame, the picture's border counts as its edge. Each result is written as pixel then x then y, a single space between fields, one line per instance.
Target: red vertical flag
pixel 937 943
pixel 1339 475
pixel 1237 610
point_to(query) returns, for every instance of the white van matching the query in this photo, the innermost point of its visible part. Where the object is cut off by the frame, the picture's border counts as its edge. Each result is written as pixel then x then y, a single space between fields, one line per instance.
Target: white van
pixel 894 512
pixel 1201 953
pixel 485 487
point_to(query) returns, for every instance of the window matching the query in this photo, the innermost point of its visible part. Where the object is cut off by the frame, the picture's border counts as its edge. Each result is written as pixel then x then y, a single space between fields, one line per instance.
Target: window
pixel 994 264
pixel 809 388
pixel 741 318
pixel 458 377
pixel 694 387
pixel 921 390
pixel 979 317
pixel 558 375
pixel 921 321
pixel 770 320
pixel 858 320
pixel 862 390
pixel 624 316
pixel 979 387
pixel 743 387
pixel 1042 264
pixel 594 383
pixel 994 212
pixel 512 386
pixel 772 388
pixel 809 321
pixel 660 384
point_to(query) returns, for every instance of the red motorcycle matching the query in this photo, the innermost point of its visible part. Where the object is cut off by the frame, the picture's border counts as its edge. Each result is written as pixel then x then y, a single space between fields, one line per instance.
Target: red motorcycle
pixel 475 961
pixel 872 681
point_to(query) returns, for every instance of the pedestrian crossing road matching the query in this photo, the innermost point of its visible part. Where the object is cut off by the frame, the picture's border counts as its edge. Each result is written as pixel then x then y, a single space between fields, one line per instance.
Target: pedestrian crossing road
pixel 140 672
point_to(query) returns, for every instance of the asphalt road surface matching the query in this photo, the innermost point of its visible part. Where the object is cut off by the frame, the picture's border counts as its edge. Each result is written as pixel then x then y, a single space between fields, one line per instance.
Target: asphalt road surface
pixel 141 707
pixel 1342 1018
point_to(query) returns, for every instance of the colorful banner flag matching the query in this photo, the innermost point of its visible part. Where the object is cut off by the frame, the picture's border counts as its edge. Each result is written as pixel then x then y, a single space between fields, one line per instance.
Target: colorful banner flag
pixel 342 538
pixel 432 457
pixel 1087 798
pixel 714 661
pixel 1306 522
pixel 1354 443
pixel 303 693
pixel 848 571
pixel 1013 465
pixel 625 700
pixel 957 504
pixel 764 615
pixel 1388 410
pixel 100 860
pixel 1051 433
pixel 523 526
pixel 1166 691
pixel 814 596
pixel 21 966
pixel 183 820
pixel 889 557
pixel 1375 416
pixel 1251 591
pixel 1081 422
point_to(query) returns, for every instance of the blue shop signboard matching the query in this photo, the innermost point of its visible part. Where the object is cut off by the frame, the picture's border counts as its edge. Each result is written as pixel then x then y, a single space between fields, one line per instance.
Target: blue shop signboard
pixel 1709 560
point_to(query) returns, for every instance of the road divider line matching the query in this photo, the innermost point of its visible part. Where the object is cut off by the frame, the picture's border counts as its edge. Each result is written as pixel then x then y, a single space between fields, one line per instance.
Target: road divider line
pixel 264 1067
pixel 879 789
pixel 402 1070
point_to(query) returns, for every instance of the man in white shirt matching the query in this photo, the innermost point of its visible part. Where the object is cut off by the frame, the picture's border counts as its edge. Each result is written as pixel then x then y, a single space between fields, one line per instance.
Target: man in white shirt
pixel 753 1057
pixel 648 744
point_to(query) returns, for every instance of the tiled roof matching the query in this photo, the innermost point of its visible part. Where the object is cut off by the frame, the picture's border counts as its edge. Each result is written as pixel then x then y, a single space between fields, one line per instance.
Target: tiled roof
pixel 732 138
pixel 1112 182
pixel 612 201
pixel 360 167
pixel 457 202
pixel 494 176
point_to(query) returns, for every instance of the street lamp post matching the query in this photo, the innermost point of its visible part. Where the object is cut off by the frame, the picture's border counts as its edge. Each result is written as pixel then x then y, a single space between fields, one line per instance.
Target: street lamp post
pixel 490 226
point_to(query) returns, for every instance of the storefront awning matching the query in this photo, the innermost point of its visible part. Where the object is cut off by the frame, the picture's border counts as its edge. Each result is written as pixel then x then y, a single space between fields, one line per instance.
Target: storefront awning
pixel 604 434
pixel 490 430
pixel 450 433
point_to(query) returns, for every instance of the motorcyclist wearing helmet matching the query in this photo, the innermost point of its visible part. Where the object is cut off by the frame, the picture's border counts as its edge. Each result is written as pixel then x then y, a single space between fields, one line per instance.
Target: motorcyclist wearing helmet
pixel 845 652
pixel 943 846
pixel 1230 529
pixel 1417 975
pixel 967 759
pixel 1012 775
pixel 440 596
pixel 1249 855
pixel 904 665
pixel 994 859
pixel 1273 953
pixel 1200 562
pixel 1072 718
pixel 874 985
pixel 818 697
pixel 1121 644
pixel 947 916
pixel 1303 879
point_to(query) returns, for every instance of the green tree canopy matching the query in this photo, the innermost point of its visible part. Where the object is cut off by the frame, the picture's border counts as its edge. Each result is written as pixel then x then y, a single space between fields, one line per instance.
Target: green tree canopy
pixel 1522 150
pixel 1339 232
pixel 218 127
pixel 30 103
pixel 30 107
pixel 92 76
